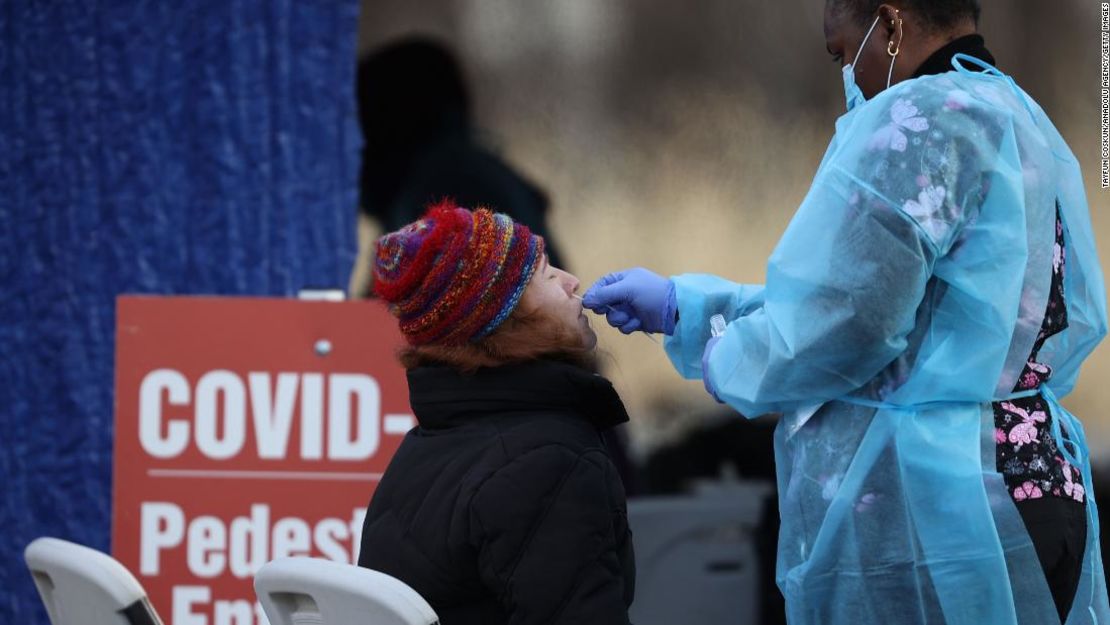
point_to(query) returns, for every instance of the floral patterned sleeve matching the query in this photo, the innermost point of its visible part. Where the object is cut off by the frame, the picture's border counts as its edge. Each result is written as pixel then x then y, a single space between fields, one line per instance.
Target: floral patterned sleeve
pixel 929 153
pixel 902 177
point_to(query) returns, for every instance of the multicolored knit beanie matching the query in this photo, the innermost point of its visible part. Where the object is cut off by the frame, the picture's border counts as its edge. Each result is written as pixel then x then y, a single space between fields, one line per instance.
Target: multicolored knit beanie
pixel 455 275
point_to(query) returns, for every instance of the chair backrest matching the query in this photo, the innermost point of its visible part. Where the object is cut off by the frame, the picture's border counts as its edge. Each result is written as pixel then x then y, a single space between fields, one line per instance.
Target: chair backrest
pixel 304 591
pixel 695 557
pixel 82 586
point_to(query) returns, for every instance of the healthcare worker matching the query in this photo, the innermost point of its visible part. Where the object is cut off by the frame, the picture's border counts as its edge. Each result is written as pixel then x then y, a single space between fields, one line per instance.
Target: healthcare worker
pixel 928 305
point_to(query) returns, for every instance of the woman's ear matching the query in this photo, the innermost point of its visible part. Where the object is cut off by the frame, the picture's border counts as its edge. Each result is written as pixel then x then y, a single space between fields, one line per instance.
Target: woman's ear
pixel 893 24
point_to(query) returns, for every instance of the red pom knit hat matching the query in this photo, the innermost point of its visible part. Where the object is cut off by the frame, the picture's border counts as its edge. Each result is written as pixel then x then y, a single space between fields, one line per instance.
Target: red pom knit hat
pixel 455 275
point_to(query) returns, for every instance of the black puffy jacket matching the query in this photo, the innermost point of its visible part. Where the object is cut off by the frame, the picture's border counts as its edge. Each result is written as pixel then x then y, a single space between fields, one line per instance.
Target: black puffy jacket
pixel 503 506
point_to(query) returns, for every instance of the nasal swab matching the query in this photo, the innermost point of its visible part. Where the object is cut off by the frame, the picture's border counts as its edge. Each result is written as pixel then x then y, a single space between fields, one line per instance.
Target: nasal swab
pixel 607 309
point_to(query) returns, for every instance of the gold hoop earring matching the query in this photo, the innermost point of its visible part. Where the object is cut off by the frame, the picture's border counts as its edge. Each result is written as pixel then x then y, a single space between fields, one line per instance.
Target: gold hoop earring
pixel 891 49
pixel 894 52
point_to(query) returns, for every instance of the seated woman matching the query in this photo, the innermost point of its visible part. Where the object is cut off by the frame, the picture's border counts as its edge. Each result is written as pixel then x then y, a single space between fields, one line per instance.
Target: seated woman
pixel 503 505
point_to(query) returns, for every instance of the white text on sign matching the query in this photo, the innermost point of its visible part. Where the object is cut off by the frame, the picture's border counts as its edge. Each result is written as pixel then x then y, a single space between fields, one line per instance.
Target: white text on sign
pixel 220 404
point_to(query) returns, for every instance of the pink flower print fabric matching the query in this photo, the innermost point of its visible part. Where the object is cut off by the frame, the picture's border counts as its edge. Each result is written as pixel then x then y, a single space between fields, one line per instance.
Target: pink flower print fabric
pixel 1024 432
pixel 1071 488
pixel 905 118
pixel 1027 456
pixel 927 210
pixel 917 160
pixel 1028 490
pixel 1034 374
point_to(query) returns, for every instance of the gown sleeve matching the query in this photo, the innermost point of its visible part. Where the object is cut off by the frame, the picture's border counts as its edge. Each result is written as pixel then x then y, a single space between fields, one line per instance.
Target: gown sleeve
pixel 903 176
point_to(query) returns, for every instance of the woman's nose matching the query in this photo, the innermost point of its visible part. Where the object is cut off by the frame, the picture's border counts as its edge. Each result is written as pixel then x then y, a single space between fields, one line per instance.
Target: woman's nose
pixel 572 283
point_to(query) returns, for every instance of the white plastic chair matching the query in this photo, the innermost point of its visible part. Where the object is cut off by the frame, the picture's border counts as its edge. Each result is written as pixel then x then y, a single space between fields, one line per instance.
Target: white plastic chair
pixel 695 558
pixel 82 586
pixel 311 591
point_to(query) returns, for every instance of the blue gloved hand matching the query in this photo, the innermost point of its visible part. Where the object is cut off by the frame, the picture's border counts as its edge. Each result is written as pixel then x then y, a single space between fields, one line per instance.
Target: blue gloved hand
pixel 634 299
pixel 705 368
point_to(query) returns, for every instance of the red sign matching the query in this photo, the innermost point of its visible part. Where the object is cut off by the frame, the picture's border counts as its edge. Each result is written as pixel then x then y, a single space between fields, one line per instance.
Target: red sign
pixel 246 430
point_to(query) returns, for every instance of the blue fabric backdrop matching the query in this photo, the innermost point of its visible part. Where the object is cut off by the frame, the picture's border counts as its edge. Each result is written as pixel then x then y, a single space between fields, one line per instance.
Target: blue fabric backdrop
pixel 148 147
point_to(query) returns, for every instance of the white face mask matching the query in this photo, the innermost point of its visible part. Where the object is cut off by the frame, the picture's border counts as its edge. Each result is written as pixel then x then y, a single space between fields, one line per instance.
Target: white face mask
pixel 853 95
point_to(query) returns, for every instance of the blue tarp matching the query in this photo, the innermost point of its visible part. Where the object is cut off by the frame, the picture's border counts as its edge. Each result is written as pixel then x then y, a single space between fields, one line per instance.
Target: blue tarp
pixel 148 147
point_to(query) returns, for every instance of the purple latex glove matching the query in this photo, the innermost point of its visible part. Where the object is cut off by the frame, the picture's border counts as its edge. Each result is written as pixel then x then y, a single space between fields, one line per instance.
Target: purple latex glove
pixel 705 368
pixel 634 299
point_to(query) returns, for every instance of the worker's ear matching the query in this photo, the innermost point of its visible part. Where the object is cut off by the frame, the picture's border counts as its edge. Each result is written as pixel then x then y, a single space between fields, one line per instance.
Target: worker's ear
pixel 892 24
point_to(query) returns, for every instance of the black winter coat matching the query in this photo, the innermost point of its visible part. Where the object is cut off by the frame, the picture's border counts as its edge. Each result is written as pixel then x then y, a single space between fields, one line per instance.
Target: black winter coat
pixel 503 506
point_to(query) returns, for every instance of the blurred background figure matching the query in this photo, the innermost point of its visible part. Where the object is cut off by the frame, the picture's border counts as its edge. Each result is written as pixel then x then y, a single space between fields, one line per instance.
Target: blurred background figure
pixel 421 146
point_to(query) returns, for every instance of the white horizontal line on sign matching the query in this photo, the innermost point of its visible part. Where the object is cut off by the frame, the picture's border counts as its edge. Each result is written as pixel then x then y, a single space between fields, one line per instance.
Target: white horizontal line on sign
pixel 323 476
pixel 398 423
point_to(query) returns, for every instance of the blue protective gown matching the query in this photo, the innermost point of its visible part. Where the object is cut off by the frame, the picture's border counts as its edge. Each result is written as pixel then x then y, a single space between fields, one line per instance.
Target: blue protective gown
pixel 904 297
